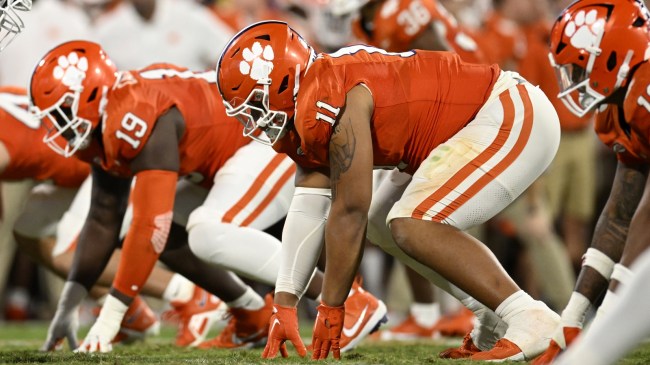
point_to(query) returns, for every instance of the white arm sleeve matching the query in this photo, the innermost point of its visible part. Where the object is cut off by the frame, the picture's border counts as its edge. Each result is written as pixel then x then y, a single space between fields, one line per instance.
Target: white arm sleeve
pixel 302 239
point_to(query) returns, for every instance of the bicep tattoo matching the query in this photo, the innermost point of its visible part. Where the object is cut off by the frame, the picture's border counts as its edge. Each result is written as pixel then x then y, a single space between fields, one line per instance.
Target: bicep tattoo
pixel 342 147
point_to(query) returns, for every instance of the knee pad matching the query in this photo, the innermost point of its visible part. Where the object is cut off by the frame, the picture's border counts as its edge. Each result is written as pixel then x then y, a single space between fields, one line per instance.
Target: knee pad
pixel 206 240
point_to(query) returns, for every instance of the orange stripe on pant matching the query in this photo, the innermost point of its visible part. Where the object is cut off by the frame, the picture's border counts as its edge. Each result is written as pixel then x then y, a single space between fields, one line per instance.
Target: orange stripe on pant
pixel 483 157
pixel 272 194
pixel 254 189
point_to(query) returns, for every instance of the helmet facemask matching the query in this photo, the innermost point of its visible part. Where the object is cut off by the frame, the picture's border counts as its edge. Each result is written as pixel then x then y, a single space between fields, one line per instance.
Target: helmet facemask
pixel 66 131
pixel 10 22
pixel 255 114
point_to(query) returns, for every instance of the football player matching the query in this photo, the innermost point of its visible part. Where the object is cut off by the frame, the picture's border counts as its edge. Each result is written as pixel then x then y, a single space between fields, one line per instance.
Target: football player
pixel 48 183
pixel 158 124
pixel 10 22
pixel 399 26
pixel 471 150
pixel 600 52
pixel 47 232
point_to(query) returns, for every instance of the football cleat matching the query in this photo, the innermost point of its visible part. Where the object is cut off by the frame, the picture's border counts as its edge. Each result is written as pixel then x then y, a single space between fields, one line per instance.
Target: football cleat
pixel 364 314
pixel 138 323
pixel 245 329
pixel 527 336
pixel 408 330
pixel 456 324
pixel 558 344
pixel 465 350
pixel 196 316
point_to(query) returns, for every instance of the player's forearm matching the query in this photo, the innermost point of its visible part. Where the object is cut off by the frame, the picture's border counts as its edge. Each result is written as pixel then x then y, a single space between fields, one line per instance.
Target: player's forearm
pixel 344 238
pixel 302 240
pixel 153 202
pixel 94 248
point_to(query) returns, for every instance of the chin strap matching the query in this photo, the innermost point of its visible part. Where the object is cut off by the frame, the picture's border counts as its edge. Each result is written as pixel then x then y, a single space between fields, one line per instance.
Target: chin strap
pixel 624 70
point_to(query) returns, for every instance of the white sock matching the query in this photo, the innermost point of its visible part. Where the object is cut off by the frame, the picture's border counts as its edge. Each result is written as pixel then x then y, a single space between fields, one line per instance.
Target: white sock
pixel 179 289
pixel 574 313
pixel 425 314
pixel 513 305
pixel 488 328
pixel 250 300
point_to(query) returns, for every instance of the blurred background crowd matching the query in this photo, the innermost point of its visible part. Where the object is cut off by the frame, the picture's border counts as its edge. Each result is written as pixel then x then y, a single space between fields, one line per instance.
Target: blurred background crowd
pixel 540 239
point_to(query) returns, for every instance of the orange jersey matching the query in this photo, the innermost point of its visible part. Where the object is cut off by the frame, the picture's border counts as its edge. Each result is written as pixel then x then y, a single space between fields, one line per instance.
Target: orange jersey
pixel 138 100
pixel 626 128
pixel 421 99
pixel 397 24
pixel 29 157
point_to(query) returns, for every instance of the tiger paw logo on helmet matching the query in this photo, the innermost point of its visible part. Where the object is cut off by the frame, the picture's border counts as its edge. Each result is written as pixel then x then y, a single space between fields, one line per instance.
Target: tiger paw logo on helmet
pixel 258 61
pixel 71 69
pixel 584 29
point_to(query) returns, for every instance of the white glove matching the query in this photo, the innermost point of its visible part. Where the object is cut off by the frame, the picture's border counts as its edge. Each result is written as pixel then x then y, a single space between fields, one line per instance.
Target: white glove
pixel 66 319
pixel 105 328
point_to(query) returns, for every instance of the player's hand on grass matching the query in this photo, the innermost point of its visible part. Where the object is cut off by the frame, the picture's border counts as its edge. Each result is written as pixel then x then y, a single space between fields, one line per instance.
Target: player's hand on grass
pixel 108 323
pixel 65 323
pixel 327 332
pixel 283 326
pixel 63 326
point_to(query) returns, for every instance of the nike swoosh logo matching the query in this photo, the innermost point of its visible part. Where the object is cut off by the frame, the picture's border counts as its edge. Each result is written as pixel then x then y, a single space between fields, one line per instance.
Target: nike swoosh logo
pixel 276 321
pixel 349 332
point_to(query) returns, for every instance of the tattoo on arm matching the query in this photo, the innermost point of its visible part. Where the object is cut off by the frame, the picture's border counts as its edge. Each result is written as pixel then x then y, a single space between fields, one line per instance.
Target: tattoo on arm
pixel 342 147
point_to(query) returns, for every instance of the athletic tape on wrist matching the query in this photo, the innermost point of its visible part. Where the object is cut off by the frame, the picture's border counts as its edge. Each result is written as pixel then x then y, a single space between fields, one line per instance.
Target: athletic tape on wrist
pixel 621 274
pixel 598 261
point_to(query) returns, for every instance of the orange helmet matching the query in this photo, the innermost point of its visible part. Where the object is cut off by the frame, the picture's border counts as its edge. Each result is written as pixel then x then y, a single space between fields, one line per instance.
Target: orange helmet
pixel 68 92
pixel 258 75
pixel 10 22
pixel 594 45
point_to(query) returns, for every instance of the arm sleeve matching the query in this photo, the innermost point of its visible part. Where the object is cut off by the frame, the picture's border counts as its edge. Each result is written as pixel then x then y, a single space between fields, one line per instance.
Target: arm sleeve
pixel 302 239
pixel 153 201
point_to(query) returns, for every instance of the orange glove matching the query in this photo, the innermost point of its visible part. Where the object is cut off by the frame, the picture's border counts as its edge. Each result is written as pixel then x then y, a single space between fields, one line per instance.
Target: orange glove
pixel 283 326
pixel 327 332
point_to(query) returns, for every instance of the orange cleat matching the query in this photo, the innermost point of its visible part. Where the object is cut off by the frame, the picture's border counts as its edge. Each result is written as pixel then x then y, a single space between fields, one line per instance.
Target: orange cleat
pixel 465 350
pixel 246 328
pixel 408 330
pixel 503 350
pixel 554 349
pixel 456 324
pixel 364 313
pixel 196 316
pixel 138 323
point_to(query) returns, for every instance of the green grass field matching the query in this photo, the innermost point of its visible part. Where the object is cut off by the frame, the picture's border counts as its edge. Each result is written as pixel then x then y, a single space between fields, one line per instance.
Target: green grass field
pixel 19 345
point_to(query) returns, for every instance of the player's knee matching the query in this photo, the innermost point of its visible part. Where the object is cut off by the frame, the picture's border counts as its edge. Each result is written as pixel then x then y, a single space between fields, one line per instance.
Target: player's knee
pixel 399 230
pixel 206 240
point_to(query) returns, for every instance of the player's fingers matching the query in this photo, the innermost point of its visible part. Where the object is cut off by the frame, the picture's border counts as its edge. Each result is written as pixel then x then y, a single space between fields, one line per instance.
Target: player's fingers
pixel 271 349
pixel 324 349
pixel 298 344
pixel 336 350
pixel 51 344
pixel 72 339
pixel 267 349
pixel 316 346
pixel 283 350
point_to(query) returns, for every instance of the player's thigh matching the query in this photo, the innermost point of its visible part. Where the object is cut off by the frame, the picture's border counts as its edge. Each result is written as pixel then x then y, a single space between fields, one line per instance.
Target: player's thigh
pixel 73 219
pixel 487 165
pixel 254 188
